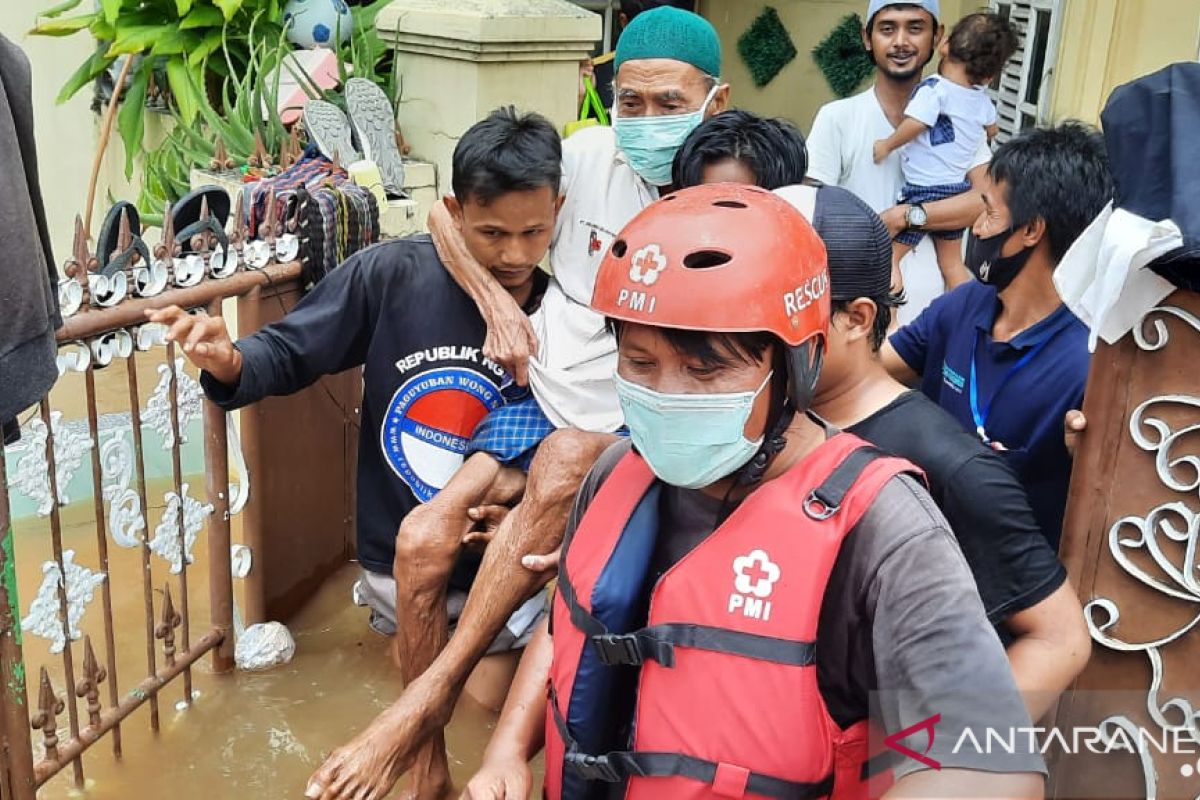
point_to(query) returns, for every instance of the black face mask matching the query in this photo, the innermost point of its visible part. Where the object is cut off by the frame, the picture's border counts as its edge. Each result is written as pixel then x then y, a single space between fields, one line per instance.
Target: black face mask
pixel 985 262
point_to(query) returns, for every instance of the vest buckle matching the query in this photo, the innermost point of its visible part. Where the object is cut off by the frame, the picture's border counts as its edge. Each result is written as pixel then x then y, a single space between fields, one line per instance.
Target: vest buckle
pixel 817 509
pixel 591 768
pixel 618 649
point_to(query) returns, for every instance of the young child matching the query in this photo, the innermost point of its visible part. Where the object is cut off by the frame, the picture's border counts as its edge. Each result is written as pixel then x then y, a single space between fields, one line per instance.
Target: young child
pixel 944 122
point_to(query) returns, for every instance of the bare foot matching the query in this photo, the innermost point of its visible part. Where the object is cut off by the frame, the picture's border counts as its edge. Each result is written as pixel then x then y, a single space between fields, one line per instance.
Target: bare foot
pixel 369 765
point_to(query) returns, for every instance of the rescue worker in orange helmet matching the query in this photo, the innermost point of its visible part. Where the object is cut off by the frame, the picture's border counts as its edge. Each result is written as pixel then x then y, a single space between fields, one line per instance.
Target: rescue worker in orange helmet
pixel 728 573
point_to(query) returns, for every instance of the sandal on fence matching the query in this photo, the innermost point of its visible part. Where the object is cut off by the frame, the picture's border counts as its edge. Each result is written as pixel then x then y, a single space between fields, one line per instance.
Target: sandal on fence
pixel 374 121
pixel 329 130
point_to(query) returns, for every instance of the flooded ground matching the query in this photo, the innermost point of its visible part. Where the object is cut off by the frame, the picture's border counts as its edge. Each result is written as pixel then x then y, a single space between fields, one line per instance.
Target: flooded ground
pixel 246 734
pixel 262 734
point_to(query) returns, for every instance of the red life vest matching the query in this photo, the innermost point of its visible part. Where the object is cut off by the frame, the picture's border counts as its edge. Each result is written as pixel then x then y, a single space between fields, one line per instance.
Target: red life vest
pixel 727 702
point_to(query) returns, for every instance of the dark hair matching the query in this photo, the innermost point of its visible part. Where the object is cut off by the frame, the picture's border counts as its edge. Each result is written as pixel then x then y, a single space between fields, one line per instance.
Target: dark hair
pixel 631 8
pixel 983 43
pixel 885 306
pixel 902 7
pixel 1059 175
pixel 710 348
pixel 506 152
pixel 773 149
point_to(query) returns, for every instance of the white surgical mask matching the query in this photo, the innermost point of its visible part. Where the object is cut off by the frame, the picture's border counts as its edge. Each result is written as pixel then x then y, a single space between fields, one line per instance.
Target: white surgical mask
pixel 650 143
pixel 689 440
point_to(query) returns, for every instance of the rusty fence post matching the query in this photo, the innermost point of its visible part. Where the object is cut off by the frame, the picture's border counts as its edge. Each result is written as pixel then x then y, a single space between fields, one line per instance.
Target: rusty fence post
pixel 220 570
pixel 14 703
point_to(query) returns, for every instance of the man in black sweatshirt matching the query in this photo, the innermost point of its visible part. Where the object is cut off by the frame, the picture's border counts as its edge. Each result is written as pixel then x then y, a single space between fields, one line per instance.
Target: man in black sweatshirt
pixel 394 310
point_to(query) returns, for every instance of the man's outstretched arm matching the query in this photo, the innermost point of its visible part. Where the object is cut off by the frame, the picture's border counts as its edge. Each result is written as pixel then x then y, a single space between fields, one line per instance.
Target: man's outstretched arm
pixel 327 332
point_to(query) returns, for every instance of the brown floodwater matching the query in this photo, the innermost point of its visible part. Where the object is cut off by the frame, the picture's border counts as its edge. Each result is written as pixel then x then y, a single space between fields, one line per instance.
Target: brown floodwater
pixel 246 734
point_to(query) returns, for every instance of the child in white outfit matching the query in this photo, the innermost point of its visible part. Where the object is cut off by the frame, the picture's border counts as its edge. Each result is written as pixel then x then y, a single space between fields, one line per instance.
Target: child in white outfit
pixel 944 122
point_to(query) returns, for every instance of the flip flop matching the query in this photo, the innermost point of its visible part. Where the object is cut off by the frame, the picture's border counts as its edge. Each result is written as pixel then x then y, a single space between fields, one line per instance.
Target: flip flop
pixel 329 129
pixel 186 221
pixel 374 123
pixel 187 224
pixel 185 215
pixel 111 261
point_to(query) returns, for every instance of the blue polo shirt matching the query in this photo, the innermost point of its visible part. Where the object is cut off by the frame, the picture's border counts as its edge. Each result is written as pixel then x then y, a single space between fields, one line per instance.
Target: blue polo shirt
pixel 1024 387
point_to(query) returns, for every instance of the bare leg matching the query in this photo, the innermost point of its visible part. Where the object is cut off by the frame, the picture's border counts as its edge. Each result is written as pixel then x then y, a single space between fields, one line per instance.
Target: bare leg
pixel 899 251
pixel 950 262
pixel 426 548
pixel 367 767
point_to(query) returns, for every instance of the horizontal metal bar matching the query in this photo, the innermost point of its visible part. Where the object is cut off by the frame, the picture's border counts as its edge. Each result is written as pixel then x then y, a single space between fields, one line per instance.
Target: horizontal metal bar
pixel 45 770
pixel 96 321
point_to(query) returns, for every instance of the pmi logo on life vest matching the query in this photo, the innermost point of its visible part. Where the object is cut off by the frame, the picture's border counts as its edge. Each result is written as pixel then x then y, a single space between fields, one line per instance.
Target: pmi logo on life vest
pixel 754 578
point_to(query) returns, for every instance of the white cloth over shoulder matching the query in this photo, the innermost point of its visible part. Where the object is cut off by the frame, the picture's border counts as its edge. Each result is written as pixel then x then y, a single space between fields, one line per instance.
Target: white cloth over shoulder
pixel 1103 278
pixel 572 376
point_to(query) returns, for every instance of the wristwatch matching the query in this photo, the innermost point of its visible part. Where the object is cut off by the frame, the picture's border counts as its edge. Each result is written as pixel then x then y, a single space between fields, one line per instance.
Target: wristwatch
pixel 915 216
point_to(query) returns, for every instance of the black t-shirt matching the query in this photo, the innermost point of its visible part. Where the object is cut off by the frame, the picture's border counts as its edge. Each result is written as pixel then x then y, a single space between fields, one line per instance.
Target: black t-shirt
pixel 979 495
pixel 394 310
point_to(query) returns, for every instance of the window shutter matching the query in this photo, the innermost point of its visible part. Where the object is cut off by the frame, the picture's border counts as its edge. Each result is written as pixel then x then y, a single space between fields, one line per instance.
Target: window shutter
pixel 1022 91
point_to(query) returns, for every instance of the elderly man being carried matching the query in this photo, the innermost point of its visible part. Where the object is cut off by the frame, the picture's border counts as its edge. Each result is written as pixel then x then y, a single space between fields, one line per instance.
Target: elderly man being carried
pixel 667 62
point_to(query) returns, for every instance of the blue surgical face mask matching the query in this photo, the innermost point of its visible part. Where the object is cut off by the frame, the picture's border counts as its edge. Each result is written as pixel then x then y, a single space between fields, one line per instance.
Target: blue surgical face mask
pixel 650 143
pixel 689 440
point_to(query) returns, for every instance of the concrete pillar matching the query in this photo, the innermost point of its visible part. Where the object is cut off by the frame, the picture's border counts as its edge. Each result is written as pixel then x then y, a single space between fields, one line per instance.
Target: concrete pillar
pixel 459 60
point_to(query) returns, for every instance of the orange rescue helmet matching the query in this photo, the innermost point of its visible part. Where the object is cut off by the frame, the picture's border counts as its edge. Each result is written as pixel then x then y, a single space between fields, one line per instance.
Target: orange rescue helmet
pixel 725 258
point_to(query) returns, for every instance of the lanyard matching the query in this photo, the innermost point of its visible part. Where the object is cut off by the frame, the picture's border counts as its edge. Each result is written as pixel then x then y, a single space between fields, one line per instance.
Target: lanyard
pixel 981 417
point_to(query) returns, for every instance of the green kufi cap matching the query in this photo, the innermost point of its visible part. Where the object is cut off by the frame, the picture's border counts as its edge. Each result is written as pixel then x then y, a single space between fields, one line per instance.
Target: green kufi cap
pixel 667 32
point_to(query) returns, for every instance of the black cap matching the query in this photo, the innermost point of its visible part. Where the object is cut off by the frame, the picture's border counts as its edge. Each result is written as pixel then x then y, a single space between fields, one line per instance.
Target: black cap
pixel 857 244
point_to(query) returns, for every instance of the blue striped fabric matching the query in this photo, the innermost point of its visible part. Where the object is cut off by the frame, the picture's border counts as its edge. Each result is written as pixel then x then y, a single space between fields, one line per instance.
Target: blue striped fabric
pixel 512 432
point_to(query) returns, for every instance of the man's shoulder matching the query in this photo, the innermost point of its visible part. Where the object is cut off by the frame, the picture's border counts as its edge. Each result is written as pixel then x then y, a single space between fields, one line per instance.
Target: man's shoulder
pixel 916 428
pixel 407 260
pixel 593 142
pixel 902 515
pixel 847 107
pixel 390 253
pixel 965 301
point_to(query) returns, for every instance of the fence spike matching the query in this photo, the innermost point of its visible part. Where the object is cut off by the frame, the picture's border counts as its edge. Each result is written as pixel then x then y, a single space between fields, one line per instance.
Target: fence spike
pixel 88 686
pixel 50 706
pixel 166 628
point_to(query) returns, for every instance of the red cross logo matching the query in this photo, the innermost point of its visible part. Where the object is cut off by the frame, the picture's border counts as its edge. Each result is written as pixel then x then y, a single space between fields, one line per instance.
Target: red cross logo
pixel 755 574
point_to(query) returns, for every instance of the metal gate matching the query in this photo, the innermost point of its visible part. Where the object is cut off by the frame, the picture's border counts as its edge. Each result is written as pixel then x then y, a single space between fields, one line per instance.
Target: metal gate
pixel 105 329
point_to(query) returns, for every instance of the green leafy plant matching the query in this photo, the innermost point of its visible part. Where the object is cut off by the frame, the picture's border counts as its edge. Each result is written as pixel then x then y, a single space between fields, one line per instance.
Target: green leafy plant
pixel 215 57
pixel 175 38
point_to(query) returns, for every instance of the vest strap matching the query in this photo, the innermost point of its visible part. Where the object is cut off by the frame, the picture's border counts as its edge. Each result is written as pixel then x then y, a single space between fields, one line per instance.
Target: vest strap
pixel 825 500
pixel 658 643
pixel 618 766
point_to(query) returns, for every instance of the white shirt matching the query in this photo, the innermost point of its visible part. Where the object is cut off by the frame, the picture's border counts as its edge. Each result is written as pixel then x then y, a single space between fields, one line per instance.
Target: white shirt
pixel 956 116
pixel 572 376
pixel 840 153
